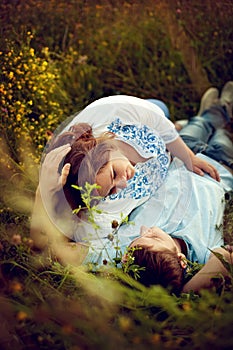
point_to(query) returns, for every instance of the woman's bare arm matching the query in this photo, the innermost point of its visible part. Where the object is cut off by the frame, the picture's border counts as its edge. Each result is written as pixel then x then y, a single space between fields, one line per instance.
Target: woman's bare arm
pixel 199 166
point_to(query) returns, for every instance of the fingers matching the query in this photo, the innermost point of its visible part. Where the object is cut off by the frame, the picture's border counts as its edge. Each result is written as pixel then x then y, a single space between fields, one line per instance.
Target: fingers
pixel 56 155
pixel 201 167
pixel 209 169
pixel 64 173
pixel 198 171
pixel 214 173
pixel 50 177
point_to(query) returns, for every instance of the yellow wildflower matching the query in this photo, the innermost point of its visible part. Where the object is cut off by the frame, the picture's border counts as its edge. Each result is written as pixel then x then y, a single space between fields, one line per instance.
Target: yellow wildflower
pixel 21 316
pixel 15 286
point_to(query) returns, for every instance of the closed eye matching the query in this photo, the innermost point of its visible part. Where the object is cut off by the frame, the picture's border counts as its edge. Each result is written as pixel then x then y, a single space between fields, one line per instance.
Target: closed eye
pixel 112 191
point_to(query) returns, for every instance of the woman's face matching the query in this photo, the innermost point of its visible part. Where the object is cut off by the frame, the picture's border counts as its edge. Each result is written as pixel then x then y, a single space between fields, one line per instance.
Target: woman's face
pixel 115 174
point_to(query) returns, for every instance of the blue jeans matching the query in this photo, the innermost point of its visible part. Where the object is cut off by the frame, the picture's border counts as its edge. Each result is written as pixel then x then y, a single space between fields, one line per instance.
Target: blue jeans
pixel 208 134
pixel 160 104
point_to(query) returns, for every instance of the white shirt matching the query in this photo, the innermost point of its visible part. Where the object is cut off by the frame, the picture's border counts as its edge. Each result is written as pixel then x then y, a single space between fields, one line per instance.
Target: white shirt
pixel 131 111
pixel 186 206
pixel 144 126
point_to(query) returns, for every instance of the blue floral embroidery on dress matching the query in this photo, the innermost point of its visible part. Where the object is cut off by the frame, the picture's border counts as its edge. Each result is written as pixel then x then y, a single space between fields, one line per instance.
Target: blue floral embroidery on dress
pixel 149 175
pixel 144 139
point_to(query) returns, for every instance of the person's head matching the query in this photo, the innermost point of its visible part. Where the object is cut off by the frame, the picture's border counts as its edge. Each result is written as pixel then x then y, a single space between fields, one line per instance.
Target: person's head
pixel 93 160
pixel 114 174
pixel 158 253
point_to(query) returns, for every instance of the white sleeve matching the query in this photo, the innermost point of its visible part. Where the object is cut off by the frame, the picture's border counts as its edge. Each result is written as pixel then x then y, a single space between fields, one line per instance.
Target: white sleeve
pixel 130 110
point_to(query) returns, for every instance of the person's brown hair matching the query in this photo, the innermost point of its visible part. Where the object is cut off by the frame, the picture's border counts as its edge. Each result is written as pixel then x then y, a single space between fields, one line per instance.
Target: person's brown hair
pixel 161 268
pixel 87 156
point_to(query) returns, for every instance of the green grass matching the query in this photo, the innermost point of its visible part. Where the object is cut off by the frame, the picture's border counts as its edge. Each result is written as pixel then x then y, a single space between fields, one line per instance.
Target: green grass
pixel 44 305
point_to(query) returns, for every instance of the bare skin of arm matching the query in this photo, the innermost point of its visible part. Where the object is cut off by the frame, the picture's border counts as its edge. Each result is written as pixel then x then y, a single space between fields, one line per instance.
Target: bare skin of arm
pixel 199 166
pixel 213 268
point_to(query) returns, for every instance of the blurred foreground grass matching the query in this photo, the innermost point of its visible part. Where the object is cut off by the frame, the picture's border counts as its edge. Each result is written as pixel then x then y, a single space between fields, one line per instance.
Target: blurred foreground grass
pixel 48 305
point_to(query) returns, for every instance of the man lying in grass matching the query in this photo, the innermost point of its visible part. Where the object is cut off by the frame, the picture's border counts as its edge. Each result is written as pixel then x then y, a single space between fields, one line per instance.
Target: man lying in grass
pixel 191 228
pixel 187 222
pixel 125 151
pixel 162 260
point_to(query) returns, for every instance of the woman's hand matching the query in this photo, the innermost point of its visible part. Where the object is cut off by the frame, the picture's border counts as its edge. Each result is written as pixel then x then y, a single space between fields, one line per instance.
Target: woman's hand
pixel 50 179
pixel 48 195
pixel 200 166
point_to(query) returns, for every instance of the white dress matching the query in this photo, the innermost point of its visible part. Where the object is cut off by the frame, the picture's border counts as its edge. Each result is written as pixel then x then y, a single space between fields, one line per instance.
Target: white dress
pixel 142 125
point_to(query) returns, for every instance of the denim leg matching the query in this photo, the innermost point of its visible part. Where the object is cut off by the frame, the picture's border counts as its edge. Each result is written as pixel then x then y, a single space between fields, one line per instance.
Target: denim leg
pixel 200 129
pixel 220 147
pixel 216 116
pixel 197 133
pixel 160 104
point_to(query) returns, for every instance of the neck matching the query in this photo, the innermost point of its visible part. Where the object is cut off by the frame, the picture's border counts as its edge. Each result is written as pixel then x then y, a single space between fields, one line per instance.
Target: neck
pixel 181 246
pixel 129 152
